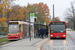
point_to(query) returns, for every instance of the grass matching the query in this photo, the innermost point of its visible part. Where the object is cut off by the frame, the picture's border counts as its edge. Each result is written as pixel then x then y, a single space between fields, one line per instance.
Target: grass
pixel 4 40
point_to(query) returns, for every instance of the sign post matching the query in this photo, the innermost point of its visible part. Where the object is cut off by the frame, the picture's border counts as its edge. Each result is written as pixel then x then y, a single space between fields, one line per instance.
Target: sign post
pixel 31 19
pixel 29 28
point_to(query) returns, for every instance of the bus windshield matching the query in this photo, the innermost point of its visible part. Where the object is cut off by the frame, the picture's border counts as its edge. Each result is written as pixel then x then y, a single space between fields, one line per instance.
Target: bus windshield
pixel 57 28
pixel 13 28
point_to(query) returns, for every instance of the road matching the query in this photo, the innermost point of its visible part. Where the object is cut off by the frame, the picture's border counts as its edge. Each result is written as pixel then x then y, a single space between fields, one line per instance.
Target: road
pixel 52 44
pixel 61 44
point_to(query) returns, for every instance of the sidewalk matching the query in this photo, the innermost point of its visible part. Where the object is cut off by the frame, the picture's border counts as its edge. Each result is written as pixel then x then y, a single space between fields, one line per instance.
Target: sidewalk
pixel 72 35
pixel 3 36
pixel 24 44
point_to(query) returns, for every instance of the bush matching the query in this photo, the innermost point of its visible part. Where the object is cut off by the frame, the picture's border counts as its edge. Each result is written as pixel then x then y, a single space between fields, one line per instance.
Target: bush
pixel 3 30
pixel 3 33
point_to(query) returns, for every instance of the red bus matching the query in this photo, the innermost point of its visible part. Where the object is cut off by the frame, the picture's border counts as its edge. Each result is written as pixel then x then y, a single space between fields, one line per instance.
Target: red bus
pixel 17 30
pixel 58 29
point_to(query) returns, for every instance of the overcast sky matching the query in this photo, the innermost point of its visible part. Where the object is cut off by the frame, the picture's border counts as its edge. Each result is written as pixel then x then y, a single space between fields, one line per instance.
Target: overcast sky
pixel 60 5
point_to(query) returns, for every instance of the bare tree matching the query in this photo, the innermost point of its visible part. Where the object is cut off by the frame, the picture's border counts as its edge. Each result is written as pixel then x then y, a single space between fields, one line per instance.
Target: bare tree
pixel 70 14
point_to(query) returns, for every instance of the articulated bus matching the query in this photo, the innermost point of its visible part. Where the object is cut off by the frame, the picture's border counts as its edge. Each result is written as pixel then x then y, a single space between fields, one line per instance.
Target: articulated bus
pixel 58 29
pixel 18 30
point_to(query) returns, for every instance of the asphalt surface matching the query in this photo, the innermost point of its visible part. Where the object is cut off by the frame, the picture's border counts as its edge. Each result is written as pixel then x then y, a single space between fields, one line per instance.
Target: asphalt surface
pixel 52 44
pixel 61 44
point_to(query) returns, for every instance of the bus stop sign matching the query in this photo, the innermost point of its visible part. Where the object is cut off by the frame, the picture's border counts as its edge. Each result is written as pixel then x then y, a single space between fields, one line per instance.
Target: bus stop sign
pixel 31 17
pixel 31 14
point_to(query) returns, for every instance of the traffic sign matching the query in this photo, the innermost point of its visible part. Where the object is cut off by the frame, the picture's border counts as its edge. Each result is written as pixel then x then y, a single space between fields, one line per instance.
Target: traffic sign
pixel 44 23
pixel 31 14
pixel 31 17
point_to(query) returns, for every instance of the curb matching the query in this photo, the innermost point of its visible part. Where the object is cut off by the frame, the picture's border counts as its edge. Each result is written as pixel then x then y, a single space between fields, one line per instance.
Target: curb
pixel 3 42
pixel 4 36
pixel 40 44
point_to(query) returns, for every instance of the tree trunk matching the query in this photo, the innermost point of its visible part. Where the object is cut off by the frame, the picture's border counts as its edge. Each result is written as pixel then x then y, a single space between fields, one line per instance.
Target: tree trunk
pixel 74 25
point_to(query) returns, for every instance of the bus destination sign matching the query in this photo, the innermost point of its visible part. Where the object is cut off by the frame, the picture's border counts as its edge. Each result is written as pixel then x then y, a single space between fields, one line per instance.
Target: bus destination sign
pixel 13 22
pixel 57 22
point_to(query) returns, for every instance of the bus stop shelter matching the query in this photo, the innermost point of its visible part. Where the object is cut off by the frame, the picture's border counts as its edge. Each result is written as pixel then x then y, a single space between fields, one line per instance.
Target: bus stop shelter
pixel 37 27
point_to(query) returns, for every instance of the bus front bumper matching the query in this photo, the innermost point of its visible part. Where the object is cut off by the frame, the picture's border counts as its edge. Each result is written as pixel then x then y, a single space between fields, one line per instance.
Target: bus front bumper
pixel 57 36
pixel 13 37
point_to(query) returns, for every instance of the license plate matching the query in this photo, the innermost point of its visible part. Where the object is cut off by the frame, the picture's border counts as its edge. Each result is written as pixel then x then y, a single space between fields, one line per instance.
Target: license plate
pixel 57 37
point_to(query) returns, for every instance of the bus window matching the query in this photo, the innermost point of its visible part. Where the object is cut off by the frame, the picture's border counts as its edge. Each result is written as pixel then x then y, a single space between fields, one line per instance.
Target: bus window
pixel 57 28
pixel 13 28
pixel 19 28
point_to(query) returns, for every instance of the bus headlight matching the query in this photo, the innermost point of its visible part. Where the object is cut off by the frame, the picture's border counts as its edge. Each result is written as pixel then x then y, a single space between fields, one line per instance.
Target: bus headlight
pixel 8 35
pixel 51 35
pixel 64 35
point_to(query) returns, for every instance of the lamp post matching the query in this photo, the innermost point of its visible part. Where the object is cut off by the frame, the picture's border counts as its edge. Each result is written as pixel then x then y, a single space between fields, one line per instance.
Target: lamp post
pixel 53 12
